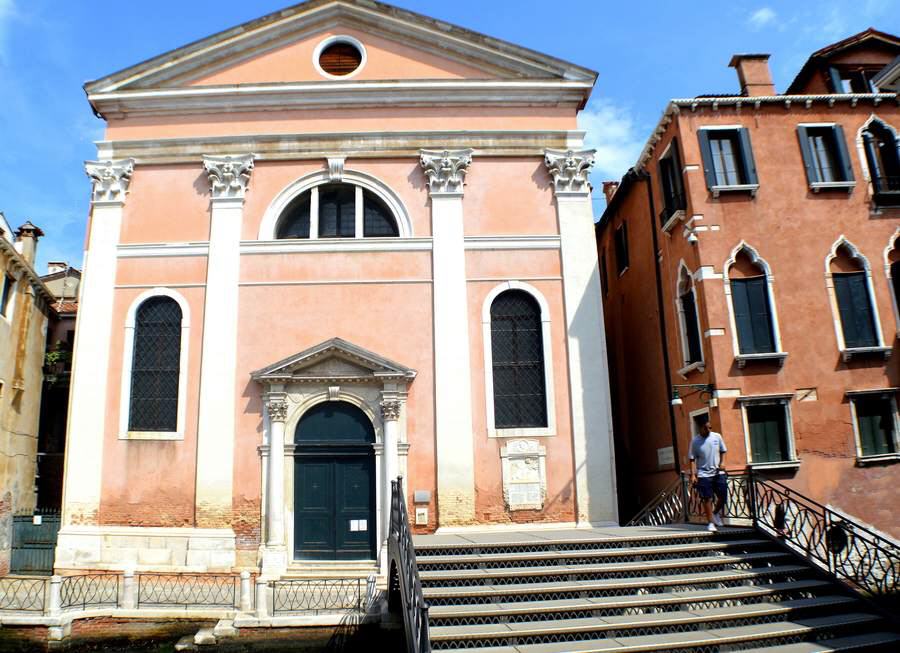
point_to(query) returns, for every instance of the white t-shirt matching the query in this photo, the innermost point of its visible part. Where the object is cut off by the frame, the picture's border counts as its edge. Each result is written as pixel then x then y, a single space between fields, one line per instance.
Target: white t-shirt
pixel 708 453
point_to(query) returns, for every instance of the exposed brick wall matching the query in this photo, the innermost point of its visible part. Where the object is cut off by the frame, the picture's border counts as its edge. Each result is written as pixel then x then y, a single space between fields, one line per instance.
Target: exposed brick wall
pixel 6 526
pixel 246 524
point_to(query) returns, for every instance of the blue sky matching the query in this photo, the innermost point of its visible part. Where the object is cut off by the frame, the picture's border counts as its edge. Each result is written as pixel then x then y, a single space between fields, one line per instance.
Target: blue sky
pixel 645 52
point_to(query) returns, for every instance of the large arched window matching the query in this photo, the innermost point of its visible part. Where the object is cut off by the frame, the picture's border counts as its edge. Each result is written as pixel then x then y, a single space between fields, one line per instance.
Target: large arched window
pixel 155 366
pixel 749 289
pixel 883 158
pixel 689 319
pixel 850 283
pixel 337 210
pixel 517 359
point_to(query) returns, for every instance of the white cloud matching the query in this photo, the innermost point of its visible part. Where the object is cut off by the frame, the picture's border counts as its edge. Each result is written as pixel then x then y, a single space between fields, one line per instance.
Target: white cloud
pixel 612 132
pixel 762 17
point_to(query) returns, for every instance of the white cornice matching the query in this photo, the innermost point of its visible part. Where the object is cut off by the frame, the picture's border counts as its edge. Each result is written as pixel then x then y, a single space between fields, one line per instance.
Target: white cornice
pixel 347 144
pixel 323 95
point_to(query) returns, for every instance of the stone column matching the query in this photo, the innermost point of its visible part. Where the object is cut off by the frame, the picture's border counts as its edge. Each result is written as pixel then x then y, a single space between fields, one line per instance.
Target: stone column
pixel 445 172
pixel 277 408
pixel 228 177
pixel 592 437
pixel 87 421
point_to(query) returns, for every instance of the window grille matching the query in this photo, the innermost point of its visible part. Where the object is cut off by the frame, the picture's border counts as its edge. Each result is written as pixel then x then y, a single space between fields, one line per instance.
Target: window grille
pixel 156 366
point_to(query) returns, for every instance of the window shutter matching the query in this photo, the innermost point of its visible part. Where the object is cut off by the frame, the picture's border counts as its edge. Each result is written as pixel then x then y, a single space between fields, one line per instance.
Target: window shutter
pixel 768 433
pixel 835 78
pixel 743 321
pixel 760 316
pixel 749 165
pixel 812 174
pixel 845 308
pixel 843 153
pixel 709 172
pixel 862 310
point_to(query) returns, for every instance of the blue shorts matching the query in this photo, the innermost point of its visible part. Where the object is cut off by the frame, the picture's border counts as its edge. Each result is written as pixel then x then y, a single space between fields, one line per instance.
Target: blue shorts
pixel 713 485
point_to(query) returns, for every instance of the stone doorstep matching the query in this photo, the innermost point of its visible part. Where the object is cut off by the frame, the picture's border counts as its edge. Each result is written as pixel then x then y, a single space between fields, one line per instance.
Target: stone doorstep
pixel 250 620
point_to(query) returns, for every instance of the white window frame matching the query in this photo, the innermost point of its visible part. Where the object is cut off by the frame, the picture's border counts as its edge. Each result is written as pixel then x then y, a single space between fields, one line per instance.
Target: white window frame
pixel 688 366
pixel 13 280
pixel 546 341
pixel 891 395
pixel 719 188
pixel 893 243
pixel 312 181
pixel 784 401
pixel 779 354
pixel 128 360
pixel 848 352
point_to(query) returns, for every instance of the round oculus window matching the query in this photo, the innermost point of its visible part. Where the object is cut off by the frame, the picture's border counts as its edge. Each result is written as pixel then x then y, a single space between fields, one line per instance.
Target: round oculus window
pixel 340 59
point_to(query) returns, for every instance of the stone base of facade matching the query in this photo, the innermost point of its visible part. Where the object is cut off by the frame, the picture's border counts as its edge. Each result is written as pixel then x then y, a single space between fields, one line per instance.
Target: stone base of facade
pixel 146 548
pixel 274 561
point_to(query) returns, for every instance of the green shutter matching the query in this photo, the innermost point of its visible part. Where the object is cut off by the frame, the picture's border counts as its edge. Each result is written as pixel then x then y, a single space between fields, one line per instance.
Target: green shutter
pixel 875 422
pixel 812 173
pixel 743 322
pixel 768 433
pixel 709 171
pixel 835 78
pixel 843 154
pixel 747 162
pixel 753 319
pixel 857 321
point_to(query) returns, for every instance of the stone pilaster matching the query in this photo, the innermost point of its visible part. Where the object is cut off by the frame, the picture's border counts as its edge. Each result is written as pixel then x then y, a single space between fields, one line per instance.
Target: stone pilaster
pixel 274 555
pixel 228 178
pixel 445 172
pixel 87 421
pixel 592 437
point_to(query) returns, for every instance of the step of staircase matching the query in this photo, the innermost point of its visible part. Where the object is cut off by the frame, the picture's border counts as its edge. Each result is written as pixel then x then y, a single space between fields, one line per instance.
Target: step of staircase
pixel 635 589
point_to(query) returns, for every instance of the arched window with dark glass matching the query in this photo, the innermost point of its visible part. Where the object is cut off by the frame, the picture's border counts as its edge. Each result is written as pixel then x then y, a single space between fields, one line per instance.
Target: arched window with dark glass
pixel 751 302
pixel 517 353
pixel 854 299
pixel 155 366
pixel 883 157
pixel 338 210
pixel 692 349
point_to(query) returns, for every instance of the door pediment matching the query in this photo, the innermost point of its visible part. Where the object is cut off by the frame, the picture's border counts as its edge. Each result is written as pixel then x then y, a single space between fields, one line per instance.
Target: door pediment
pixel 334 361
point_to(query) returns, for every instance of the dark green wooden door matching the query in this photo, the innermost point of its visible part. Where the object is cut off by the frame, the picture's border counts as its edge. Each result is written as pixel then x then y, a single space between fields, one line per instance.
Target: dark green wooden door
pixel 334 484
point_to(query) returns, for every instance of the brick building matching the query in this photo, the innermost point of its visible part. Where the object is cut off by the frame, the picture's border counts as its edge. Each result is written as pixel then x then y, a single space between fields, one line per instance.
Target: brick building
pixel 751 257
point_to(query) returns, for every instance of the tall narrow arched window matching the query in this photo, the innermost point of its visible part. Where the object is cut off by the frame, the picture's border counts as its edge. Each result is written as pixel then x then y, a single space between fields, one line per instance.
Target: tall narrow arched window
pixel 892 267
pixel 853 296
pixel 517 356
pixel 883 158
pixel 155 366
pixel 689 319
pixel 751 302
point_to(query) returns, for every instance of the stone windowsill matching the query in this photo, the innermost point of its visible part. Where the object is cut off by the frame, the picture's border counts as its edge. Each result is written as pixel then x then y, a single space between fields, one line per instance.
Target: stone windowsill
pixel 152 435
pixel 675 218
pixel 699 366
pixel 848 354
pixel 819 186
pixel 781 464
pixel 737 188
pixel 862 461
pixel 777 356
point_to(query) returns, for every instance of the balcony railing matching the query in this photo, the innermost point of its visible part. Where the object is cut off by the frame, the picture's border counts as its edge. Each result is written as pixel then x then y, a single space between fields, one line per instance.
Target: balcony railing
pixel 672 204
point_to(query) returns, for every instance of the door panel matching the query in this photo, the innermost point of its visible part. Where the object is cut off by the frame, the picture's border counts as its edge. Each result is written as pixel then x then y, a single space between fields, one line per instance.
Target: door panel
pixel 355 508
pixel 314 508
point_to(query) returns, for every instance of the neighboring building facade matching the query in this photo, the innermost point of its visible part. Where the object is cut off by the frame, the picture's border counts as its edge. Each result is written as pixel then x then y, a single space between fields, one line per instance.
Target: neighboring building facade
pixel 755 249
pixel 24 311
pixel 338 244
pixel 63 282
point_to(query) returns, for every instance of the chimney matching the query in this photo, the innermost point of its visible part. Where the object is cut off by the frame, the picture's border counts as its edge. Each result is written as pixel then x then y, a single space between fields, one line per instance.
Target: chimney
pixel 753 74
pixel 26 241
pixel 609 189
pixel 56 266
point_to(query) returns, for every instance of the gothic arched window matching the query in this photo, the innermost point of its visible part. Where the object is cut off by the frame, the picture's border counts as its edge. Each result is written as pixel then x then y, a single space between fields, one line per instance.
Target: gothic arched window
pixel 156 364
pixel 517 352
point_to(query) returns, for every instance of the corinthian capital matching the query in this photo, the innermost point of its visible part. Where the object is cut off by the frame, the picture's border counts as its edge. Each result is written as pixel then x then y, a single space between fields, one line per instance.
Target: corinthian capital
pixel 228 175
pixel 446 170
pixel 390 410
pixel 569 169
pixel 276 407
pixel 110 178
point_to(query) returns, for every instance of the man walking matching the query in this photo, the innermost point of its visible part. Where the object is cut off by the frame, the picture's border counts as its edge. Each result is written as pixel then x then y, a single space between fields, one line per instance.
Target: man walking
pixel 707 456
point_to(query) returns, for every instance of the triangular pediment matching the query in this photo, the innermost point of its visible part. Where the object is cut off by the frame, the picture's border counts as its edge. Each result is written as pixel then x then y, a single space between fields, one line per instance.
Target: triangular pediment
pixel 399 44
pixel 333 361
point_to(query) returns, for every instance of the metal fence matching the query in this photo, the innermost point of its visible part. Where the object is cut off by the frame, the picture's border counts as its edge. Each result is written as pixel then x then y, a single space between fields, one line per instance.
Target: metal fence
pixel 317 596
pixel 23 594
pixel 187 590
pixel 89 591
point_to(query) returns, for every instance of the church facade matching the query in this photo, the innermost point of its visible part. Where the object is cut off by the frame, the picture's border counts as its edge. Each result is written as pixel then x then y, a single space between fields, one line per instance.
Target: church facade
pixel 336 245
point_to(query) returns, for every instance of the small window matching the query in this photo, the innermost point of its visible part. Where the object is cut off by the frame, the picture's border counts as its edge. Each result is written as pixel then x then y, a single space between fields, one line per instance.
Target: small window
pixel 340 59
pixel 768 426
pixel 883 157
pixel 672 184
pixel 336 214
pixel 727 159
pixel 621 238
pixel 156 364
pixel 6 294
pixel 825 154
pixel 689 319
pixel 876 424
pixel 858 80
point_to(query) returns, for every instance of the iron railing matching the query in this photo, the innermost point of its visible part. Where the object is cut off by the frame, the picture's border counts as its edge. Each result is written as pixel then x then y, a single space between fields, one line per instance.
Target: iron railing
pixel 857 555
pixel 321 595
pixel 89 591
pixel 674 203
pixel 23 594
pixel 404 577
pixel 187 590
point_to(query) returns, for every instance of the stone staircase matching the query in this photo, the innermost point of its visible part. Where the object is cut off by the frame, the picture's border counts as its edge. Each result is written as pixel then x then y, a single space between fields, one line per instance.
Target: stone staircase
pixel 667 588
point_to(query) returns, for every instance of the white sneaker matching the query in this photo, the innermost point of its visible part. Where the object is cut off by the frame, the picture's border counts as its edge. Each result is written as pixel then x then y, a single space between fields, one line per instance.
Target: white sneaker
pixel 711 527
pixel 717 519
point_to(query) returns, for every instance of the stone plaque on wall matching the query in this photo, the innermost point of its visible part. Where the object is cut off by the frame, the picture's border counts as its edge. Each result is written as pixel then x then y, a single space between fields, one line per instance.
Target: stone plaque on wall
pixel 524 474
